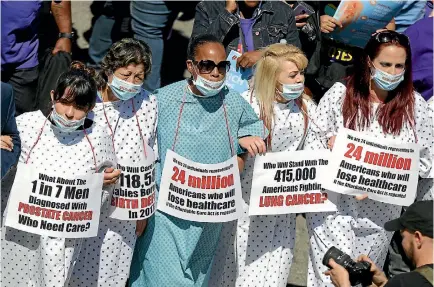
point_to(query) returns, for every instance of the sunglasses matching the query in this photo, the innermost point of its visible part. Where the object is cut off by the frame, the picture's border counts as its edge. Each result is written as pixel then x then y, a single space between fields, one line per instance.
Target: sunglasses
pixel 389 36
pixel 207 66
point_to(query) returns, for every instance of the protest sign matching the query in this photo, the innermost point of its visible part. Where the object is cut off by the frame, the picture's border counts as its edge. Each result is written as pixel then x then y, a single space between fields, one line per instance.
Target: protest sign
pixel 134 194
pixel 46 203
pixel 360 164
pixel 200 192
pixel 237 79
pixel 361 18
pixel 286 182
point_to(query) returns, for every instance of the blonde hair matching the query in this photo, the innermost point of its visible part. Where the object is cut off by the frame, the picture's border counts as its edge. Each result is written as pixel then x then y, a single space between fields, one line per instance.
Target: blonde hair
pixel 267 70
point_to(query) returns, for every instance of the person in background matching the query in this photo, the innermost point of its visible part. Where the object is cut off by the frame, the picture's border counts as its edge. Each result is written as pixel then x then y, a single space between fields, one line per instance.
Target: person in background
pixel 378 100
pixel 112 25
pixel 247 26
pixel 10 140
pixel 336 60
pixel 19 46
pixel 411 12
pixel 258 250
pixel 416 228
pixel 420 35
pixel 130 114
pixel 66 143
pixel 151 23
pixel 173 251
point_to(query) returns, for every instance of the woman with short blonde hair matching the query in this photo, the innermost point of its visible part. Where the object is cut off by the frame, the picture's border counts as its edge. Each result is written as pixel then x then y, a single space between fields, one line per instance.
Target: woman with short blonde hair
pixel 258 251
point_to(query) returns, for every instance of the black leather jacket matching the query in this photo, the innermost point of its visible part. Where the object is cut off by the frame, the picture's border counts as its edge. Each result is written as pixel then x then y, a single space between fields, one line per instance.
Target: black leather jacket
pixel 275 21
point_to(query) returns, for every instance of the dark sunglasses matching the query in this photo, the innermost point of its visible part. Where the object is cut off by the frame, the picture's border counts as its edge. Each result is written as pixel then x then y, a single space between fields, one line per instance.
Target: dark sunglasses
pixel 207 66
pixel 389 36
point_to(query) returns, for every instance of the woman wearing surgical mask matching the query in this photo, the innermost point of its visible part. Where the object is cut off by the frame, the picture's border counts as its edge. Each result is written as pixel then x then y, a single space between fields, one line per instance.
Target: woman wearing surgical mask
pixel 278 98
pixel 379 100
pixel 63 143
pixel 201 120
pixel 130 114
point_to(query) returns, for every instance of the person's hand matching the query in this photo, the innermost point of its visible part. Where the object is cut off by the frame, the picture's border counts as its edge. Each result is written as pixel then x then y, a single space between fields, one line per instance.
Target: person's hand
pixel 254 145
pixel 329 23
pixel 111 175
pixel 231 6
pixel 331 142
pixel 6 143
pixel 379 278
pixel 141 226
pixel 62 44
pixel 338 274
pixel 248 59
pixel 361 197
pixel 300 17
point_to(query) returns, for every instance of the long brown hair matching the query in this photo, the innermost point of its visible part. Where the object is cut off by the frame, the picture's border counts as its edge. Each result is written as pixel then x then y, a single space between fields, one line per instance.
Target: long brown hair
pixel 399 105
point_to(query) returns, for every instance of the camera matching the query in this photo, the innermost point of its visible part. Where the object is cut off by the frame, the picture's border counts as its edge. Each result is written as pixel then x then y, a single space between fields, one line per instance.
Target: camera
pixel 359 271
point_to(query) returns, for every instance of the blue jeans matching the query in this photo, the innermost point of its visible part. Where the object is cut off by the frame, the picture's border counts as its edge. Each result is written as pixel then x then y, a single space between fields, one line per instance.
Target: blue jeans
pixel 150 23
pixel 100 41
pixel 111 26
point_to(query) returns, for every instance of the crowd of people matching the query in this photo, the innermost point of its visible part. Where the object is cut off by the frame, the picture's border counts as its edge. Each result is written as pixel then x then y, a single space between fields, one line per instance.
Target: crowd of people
pixel 306 88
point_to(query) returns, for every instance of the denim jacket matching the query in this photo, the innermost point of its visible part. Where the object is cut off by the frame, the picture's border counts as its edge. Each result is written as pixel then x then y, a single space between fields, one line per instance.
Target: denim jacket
pixel 275 21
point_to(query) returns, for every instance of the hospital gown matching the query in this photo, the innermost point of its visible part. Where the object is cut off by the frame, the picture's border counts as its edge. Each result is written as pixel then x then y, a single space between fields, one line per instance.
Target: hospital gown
pixel 105 260
pixel 176 252
pixel 41 261
pixel 358 226
pixel 257 250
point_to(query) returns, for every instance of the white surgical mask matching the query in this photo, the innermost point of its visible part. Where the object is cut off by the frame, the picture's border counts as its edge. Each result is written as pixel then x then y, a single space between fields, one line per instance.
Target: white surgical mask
pixel 124 90
pixel 208 88
pixel 292 91
pixel 65 124
pixel 386 81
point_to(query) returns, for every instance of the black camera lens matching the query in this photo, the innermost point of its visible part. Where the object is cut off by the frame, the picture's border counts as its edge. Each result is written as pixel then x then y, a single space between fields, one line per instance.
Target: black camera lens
pixel 338 256
pixel 360 272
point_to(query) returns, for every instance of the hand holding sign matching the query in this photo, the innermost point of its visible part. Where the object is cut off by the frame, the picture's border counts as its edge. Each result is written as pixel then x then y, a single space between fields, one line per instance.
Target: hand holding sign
pixel 53 205
pixel 362 165
pixel 134 195
pixel 286 182
pixel 200 192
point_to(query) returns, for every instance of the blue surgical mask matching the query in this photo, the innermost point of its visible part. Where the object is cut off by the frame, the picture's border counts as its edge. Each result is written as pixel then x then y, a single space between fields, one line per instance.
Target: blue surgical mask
pixel 124 90
pixel 208 88
pixel 386 81
pixel 292 91
pixel 64 124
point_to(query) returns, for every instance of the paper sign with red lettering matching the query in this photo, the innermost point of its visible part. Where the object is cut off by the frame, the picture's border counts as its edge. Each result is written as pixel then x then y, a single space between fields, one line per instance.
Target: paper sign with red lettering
pixel 134 194
pixel 49 204
pixel 200 192
pixel 286 182
pixel 362 164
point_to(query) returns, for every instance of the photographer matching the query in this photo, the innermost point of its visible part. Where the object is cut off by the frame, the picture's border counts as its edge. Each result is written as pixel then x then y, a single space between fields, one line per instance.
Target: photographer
pixel 416 227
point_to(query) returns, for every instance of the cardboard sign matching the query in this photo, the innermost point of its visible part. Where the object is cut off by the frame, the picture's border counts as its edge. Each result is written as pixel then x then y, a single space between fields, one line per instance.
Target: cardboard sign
pixel 360 164
pixel 134 194
pixel 286 182
pixel 200 192
pixel 47 204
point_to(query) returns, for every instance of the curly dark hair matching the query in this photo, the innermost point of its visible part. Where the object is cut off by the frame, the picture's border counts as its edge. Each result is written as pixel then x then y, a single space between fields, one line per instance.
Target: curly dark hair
pixel 121 54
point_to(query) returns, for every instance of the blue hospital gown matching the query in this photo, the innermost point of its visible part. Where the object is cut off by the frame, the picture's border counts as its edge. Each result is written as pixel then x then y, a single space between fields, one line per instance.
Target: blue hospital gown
pixel 173 251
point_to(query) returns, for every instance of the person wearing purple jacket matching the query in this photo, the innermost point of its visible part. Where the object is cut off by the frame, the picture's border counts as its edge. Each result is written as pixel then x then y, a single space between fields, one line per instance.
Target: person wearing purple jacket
pixel 421 41
pixel 19 46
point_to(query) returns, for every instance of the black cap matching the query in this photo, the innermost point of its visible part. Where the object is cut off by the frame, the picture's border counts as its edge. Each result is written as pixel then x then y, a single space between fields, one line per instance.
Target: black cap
pixel 417 217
